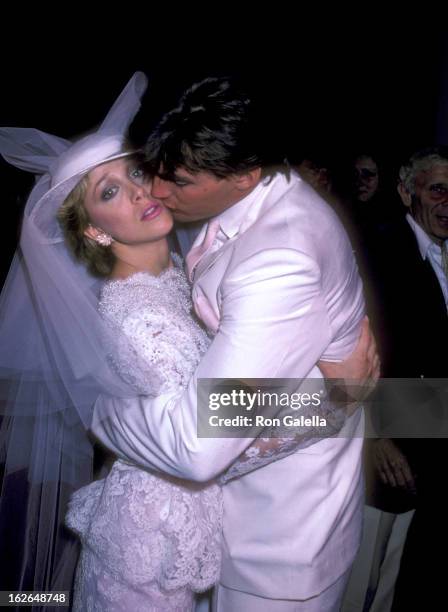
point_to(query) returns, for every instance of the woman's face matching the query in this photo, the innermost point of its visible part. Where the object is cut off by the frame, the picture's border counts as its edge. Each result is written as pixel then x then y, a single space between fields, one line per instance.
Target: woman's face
pixel 118 202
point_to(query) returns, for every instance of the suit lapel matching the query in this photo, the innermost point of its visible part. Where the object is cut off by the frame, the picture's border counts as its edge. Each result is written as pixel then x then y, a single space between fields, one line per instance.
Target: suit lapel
pixel 420 273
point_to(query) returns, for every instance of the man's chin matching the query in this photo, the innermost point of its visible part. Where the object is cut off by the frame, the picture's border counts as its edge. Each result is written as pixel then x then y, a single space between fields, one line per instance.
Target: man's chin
pixel 180 218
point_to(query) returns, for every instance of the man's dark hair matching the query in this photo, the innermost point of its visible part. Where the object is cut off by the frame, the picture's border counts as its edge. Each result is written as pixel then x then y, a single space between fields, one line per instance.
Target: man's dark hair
pixel 216 128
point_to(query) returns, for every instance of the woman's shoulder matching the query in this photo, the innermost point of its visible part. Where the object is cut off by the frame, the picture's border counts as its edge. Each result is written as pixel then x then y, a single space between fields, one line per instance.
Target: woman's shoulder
pixel 118 295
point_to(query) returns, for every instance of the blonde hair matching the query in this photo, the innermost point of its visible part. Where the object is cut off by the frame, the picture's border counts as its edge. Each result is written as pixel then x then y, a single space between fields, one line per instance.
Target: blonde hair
pixel 74 220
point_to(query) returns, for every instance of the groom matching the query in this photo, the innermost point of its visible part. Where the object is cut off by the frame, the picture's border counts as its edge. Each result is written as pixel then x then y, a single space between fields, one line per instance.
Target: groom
pixel 274 278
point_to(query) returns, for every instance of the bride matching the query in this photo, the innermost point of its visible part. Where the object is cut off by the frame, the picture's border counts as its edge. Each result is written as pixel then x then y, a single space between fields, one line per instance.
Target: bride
pixel 147 539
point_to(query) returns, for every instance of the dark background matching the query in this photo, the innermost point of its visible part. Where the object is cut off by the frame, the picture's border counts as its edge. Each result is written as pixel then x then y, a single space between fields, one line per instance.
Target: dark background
pixel 338 93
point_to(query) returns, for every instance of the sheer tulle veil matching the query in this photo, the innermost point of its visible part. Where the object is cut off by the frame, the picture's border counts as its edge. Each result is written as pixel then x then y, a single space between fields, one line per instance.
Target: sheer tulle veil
pixel 52 355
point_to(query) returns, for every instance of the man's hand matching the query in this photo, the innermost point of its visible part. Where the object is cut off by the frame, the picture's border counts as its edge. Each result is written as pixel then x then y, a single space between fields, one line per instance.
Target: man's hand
pixel 361 370
pixel 392 465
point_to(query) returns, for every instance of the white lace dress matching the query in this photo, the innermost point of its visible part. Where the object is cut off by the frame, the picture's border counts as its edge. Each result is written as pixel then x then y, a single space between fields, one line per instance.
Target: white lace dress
pixel 148 541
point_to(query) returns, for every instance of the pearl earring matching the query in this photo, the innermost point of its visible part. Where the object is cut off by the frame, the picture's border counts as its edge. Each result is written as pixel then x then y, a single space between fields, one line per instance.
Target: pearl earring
pixel 104 239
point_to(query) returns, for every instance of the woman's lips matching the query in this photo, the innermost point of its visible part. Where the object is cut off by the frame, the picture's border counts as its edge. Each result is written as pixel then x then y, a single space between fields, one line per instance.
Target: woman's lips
pixel 152 211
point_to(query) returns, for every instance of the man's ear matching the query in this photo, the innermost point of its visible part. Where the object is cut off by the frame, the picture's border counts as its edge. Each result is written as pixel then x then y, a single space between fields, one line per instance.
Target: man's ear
pixel 247 180
pixel 405 196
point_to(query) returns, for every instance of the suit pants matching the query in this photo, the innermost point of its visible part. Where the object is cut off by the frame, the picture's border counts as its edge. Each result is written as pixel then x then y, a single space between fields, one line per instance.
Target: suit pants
pixel 372 580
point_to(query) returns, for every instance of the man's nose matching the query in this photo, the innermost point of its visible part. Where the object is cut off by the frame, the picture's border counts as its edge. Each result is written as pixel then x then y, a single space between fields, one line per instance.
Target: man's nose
pixel 160 188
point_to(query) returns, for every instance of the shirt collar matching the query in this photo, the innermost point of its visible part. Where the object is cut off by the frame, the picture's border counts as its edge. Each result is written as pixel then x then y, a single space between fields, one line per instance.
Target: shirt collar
pixel 231 220
pixel 424 241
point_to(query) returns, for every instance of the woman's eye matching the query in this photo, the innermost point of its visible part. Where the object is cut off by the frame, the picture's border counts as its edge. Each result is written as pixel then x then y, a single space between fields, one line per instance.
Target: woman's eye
pixel 137 174
pixel 109 193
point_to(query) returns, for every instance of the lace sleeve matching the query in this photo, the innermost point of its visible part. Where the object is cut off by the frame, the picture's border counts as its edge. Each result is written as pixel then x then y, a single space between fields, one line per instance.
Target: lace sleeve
pixel 147 354
pixel 266 450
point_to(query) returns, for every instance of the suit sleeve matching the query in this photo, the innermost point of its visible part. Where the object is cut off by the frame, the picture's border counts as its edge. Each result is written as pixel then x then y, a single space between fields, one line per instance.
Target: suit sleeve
pixel 274 323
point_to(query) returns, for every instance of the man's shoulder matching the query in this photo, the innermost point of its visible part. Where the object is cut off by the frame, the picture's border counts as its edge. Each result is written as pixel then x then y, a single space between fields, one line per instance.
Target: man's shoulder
pixel 392 243
pixel 290 187
pixel 293 231
pixel 292 207
pixel 395 229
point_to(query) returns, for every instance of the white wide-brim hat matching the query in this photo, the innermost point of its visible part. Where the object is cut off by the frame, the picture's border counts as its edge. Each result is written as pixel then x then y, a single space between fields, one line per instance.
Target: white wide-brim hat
pixel 82 157
pixel 62 163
